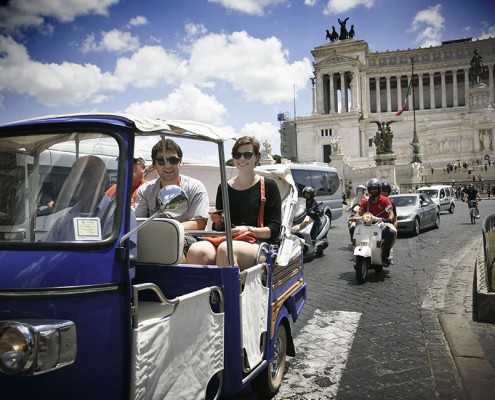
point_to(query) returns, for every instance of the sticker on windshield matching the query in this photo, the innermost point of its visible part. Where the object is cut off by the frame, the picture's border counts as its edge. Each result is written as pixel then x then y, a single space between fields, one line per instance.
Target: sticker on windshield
pixel 87 228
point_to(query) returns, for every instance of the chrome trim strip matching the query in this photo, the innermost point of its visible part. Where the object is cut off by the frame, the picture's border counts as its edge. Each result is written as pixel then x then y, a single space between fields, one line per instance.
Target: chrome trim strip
pixel 59 291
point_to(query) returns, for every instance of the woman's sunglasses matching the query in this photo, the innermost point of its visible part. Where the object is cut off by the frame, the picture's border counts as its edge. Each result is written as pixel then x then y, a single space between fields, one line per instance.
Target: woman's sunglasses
pixel 247 155
pixel 171 160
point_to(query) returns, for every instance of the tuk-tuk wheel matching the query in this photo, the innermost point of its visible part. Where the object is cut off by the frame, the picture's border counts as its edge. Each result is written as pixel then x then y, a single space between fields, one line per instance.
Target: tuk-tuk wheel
pixel 267 383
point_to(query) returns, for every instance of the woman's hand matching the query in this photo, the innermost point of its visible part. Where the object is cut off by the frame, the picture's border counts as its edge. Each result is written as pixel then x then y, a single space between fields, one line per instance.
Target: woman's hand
pixel 238 230
pixel 216 217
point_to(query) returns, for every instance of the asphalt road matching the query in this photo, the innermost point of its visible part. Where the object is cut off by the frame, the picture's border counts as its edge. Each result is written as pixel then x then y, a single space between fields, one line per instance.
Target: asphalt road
pixel 385 339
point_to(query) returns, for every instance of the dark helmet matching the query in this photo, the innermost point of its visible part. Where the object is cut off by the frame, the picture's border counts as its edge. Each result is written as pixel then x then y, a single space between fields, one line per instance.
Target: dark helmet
pixel 374 183
pixel 471 185
pixel 308 193
pixel 386 188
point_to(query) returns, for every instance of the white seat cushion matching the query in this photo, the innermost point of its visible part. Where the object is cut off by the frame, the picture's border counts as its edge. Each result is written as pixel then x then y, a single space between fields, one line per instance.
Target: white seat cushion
pixel 161 241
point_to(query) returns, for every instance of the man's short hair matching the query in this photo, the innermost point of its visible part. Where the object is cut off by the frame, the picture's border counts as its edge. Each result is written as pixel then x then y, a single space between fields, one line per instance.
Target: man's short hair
pixel 170 145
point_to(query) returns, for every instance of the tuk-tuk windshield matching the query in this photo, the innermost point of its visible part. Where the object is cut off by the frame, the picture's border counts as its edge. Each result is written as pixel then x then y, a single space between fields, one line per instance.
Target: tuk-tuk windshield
pixel 52 187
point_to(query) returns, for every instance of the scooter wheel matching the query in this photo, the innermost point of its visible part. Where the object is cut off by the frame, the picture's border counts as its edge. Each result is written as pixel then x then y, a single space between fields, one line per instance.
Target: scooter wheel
pixel 361 267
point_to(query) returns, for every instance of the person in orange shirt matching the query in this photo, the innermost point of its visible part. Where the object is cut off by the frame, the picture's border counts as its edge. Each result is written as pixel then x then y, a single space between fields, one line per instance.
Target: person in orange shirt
pixel 137 178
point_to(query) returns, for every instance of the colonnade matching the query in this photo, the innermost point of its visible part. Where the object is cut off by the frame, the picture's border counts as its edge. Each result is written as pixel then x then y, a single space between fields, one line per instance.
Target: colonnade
pixel 338 92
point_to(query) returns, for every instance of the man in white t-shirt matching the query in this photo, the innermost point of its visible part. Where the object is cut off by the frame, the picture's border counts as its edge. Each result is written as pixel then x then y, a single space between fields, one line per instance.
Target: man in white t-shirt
pixel 168 162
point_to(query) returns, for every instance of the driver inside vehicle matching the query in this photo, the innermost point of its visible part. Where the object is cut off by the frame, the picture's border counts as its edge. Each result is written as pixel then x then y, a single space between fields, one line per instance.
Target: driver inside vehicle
pixel 91 217
pixel 380 206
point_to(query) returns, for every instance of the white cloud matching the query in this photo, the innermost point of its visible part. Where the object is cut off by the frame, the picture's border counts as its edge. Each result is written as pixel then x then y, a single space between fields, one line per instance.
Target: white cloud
pixel 487 31
pixel 309 3
pixel 149 66
pixel 258 68
pixel 430 24
pixel 251 7
pixel 340 6
pixel 138 21
pixel 264 131
pixel 185 102
pixel 113 41
pixel 27 13
pixel 51 84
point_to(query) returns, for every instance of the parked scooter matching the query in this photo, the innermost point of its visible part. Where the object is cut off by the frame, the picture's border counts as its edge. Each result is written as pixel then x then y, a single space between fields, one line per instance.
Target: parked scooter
pixel 367 241
pixel 311 224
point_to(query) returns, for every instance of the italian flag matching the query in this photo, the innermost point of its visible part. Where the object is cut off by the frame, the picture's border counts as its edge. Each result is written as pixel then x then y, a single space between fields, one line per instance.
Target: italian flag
pixel 401 110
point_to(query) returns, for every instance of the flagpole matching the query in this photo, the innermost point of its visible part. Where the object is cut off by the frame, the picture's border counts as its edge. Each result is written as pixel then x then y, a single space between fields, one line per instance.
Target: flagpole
pixel 415 141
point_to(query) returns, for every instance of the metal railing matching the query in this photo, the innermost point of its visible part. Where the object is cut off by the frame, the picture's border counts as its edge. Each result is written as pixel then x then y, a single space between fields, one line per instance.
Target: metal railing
pixel 488 230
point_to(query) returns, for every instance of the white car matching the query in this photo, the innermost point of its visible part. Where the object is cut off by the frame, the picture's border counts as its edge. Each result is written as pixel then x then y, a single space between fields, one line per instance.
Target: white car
pixel 442 195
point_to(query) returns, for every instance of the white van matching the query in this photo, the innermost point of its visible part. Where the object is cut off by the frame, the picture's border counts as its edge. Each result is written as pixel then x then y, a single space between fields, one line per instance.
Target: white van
pixel 442 195
pixel 325 180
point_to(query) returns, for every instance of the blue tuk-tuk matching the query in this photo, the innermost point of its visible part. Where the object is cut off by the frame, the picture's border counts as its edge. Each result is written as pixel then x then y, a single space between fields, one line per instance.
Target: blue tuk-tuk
pixel 112 312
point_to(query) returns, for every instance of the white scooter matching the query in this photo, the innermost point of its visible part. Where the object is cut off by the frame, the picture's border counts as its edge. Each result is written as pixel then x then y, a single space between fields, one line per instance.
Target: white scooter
pixel 367 241
pixel 314 242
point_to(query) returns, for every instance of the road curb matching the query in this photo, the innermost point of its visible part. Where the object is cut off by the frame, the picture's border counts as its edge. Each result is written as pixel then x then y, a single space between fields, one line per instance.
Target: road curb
pixel 476 372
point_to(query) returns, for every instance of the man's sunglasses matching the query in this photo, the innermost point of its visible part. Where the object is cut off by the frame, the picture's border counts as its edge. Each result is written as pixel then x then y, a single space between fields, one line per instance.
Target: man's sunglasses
pixel 171 160
pixel 247 155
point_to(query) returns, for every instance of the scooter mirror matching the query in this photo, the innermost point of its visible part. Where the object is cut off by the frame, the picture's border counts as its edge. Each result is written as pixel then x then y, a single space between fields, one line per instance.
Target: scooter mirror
pixel 173 201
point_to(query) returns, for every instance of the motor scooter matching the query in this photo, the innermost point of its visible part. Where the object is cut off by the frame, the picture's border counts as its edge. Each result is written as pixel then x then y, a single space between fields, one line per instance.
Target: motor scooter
pixel 315 237
pixel 367 241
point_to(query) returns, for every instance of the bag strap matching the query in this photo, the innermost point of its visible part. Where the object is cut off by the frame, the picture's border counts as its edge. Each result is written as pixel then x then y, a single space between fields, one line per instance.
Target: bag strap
pixel 261 215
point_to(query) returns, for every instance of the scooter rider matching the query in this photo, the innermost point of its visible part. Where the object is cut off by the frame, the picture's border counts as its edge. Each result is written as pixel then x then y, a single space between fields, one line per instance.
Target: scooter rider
pixel 471 194
pixel 360 196
pixel 386 191
pixel 377 205
pixel 313 209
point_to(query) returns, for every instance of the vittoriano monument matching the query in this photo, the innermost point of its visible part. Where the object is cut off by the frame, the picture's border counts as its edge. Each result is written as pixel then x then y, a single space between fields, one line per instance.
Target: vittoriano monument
pixel 383 137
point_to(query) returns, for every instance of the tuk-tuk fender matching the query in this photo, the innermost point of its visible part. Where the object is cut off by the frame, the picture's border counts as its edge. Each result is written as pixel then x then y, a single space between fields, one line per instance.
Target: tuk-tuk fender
pixel 282 318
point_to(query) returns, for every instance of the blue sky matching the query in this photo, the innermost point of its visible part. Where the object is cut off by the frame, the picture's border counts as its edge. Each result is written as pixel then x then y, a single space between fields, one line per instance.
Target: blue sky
pixel 232 63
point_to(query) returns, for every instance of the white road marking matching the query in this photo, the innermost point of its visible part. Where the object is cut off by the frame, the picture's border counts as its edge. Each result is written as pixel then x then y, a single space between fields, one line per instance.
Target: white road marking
pixel 322 348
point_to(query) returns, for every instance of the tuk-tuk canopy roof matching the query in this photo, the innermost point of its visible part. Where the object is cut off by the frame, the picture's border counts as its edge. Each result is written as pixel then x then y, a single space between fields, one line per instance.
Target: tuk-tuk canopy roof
pixel 143 126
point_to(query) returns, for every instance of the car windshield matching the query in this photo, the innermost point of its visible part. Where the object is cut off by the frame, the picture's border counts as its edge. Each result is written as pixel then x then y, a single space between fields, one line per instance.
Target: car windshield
pixel 44 177
pixel 433 193
pixel 404 201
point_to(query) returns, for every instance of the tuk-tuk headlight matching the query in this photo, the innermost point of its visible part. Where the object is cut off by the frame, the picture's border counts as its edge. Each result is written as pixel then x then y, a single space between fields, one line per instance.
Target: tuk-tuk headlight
pixel 31 347
pixel 16 349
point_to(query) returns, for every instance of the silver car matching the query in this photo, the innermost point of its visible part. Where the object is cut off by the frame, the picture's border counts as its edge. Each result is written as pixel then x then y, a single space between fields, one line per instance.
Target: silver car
pixel 415 211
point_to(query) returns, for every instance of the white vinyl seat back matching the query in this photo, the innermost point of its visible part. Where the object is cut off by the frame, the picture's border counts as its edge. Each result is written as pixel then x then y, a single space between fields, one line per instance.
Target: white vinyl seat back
pixel 161 241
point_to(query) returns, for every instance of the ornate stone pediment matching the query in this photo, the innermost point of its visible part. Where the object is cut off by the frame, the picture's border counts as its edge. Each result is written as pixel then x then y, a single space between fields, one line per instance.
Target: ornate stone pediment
pixel 336 59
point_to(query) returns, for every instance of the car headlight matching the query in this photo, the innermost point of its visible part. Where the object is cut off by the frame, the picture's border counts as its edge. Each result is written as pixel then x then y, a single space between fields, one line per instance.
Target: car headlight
pixel 32 347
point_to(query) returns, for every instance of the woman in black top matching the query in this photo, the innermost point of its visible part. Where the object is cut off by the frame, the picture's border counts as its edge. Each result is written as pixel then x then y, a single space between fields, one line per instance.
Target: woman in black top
pixel 244 192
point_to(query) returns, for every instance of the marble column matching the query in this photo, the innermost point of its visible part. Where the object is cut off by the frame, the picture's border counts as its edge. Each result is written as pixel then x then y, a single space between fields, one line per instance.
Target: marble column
pixel 421 94
pixel 454 84
pixel 432 90
pixel 399 94
pixel 444 91
pixel 377 94
pixel 320 109
pixel 389 100
pixel 354 91
pixel 343 94
pixel 332 95
pixel 368 93
pixel 466 80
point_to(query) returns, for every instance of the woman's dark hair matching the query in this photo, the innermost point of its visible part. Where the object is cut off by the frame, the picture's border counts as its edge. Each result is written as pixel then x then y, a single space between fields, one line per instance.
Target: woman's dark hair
pixel 247 140
pixel 170 145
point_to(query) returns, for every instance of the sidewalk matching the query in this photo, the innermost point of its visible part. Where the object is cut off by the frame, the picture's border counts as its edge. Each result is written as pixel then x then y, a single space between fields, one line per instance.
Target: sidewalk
pixel 472 344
